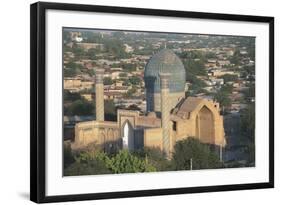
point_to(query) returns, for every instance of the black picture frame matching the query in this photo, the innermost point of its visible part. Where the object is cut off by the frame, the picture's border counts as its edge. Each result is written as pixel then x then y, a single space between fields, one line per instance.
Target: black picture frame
pixel 38 101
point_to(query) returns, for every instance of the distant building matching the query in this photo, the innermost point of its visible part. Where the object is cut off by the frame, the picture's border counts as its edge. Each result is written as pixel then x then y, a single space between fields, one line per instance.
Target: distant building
pixel 76 84
pixel 88 46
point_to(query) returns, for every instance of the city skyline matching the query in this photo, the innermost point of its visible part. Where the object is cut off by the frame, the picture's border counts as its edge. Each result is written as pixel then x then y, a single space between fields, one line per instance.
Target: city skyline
pixel 217 69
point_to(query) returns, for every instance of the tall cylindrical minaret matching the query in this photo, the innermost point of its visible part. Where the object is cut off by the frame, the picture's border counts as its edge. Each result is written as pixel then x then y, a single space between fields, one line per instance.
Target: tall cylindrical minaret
pixel 165 112
pixel 99 95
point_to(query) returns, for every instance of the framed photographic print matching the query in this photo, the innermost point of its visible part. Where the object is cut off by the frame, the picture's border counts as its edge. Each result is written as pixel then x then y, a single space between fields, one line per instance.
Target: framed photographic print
pixel 129 102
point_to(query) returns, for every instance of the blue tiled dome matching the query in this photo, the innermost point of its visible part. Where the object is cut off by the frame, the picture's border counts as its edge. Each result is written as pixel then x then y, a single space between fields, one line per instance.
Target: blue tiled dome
pixel 164 61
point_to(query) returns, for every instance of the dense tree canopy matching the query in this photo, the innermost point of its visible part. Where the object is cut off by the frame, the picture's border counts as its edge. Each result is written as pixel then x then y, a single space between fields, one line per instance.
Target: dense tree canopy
pixel 201 155
pixel 80 107
pixel 115 47
pixel 229 77
pixel 107 81
pixel 194 64
pixel 222 96
pixel 96 162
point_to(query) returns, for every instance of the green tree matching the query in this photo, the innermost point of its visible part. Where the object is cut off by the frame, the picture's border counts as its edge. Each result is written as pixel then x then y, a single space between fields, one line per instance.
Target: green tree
pixel 125 162
pixel 223 99
pixel 235 59
pixel 86 166
pixel 115 47
pixel 78 51
pixel 110 110
pixel 129 67
pixel 131 92
pixel 68 157
pixel 248 130
pixel 72 69
pixel 155 157
pixel 123 75
pixel 248 120
pixel 134 80
pixel 107 81
pixel 92 53
pixel 194 62
pixel 68 96
pixel 201 155
pixel 229 77
pixel 80 107
pixel 222 96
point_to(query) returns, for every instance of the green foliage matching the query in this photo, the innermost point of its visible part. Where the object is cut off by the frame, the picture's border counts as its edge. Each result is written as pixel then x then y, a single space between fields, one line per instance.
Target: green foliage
pixel 223 99
pixel 251 91
pixel 248 120
pixel 194 63
pixel 125 162
pixel 96 162
pixel 78 52
pixel 248 132
pixel 110 110
pixel 107 81
pixel 67 155
pixel 134 80
pixel 89 167
pixel 235 59
pixel 131 92
pixel 222 96
pixel 210 55
pixel 128 67
pixel 227 88
pixel 91 72
pixel 90 37
pixel 229 77
pixel 92 53
pixel 123 75
pixel 115 47
pixel 155 157
pixel 249 70
pixel 86 163
pixel 80 107
pixel 197 84
pixel 195 67
pixel 72 69
pixel 201 155
pixel 68 96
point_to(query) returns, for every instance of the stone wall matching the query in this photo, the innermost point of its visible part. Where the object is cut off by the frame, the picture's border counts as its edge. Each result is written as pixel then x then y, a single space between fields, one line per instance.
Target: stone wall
pixel 99 133
pixel 153 138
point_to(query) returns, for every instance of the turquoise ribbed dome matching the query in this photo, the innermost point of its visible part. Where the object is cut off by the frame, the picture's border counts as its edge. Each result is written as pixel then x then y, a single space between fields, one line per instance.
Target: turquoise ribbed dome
pixel 164 61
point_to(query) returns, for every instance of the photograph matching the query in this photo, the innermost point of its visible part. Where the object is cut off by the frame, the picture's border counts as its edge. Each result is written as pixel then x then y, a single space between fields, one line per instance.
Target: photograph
pixel 143 101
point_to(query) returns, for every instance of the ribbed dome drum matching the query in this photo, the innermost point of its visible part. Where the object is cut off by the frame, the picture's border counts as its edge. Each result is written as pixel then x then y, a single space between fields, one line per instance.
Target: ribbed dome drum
pixel 165 61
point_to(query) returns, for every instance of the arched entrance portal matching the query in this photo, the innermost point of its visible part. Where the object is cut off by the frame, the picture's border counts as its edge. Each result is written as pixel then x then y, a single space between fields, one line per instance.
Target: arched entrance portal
pixel 128 136
pixel 205 125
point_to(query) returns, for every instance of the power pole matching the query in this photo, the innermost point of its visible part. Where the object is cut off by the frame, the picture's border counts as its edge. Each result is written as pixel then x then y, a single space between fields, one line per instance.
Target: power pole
pixel 221 153
pixel 190 163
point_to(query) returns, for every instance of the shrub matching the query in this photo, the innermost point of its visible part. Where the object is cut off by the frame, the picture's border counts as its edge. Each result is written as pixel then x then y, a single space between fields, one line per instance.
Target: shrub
pixel 125 162
pixel 201 155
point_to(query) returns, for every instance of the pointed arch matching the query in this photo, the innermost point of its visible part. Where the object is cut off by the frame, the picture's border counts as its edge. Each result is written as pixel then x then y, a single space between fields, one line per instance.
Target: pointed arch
pixel 205 130
pixel 127 135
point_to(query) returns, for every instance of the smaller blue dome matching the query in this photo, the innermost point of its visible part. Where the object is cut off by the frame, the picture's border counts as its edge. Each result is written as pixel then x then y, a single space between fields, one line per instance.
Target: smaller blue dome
pixel 165 61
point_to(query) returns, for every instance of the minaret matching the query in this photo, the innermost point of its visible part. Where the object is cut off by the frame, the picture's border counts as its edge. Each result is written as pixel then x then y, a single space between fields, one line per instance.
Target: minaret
pixel 165 112
pixel 99 95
